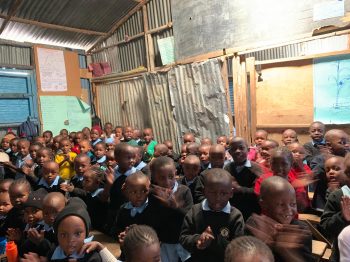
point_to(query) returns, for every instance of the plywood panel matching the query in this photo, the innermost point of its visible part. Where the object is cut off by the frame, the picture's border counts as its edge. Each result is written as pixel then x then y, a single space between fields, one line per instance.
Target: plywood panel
pixel 285 96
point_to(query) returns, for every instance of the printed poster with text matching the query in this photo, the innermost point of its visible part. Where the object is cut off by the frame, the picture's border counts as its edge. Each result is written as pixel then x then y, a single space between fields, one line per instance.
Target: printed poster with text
pixel 332 90
pixel 52 70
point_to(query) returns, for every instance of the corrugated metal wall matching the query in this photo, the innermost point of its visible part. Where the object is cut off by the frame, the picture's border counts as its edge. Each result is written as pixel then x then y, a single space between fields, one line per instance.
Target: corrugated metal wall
pixel 198 96
pixel 15 55
pixel 161 111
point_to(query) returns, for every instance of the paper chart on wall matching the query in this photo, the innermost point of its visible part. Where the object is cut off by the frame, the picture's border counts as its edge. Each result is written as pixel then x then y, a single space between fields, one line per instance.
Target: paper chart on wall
pixel 52 70
pixel 332 90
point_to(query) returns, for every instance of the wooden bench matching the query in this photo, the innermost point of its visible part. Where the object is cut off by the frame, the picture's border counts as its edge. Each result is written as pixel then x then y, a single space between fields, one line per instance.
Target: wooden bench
pixel 318 248
pixel 310 217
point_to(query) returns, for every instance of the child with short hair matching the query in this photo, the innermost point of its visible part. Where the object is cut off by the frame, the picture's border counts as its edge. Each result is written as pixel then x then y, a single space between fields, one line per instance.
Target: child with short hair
pixel 119 133
pixel 110 160
pixel 100 150
pixel 128 134
pixel 33 150
pixel 23 157
pixel 85 148
pixel 5 207
pixel 108 131
pixel 65 160
pixel 5 145
pixel 204 156
pixel 64 133
pixel 289 136
pixel 50 180
pixel 71 137
pixel 188 138
pixel 95 135
pixel 222 140
pixel 209 226
pixel 78 137
pixel 313 148
pixel 266 148
pixel 177 200
pixel 334 167
pixel 56 144
pixel 48 138
pixel 171 152
pixel 160 150
pixel 191 169
pixel 110 144
pixel 5 184
pixel 283 232
pixel 206 141
pixel 139 164
pixel 192 149
pixel 253 152
pixel 148 144
pixel 86 133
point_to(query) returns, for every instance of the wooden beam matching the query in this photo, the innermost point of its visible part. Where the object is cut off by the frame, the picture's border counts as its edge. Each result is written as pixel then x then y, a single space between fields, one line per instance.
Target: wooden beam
pixel 160 28
pixel 250 64
pixel 53 26
pixel 13 10
pixel 145 29
pixel 118 24
pixel 224 75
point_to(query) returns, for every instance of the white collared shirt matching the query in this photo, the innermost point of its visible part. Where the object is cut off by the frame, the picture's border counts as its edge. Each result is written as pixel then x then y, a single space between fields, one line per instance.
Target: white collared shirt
pixel 117 174
pixel 96 192
pixel 226 209
pixel 42 182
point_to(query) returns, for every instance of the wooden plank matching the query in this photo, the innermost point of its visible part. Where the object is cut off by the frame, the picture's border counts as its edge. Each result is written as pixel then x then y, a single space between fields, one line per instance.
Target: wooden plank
pixel 200 58
pixel 318 248
pixel 252 96
pixel 224 75
pixel 53 26
pixel 160 28
pixel 288 125
pixel 313 218
pixel 145 29
pixel 13 9
pixel 84 73
pixel 151 52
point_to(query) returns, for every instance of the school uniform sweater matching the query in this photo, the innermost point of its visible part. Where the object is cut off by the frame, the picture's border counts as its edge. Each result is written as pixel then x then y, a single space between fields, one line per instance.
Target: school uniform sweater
pixel 332 221
pixel 225 227
pixel 317 167
pixel 93 256
pixel 54 187
pixel 191 185
pixel 311 150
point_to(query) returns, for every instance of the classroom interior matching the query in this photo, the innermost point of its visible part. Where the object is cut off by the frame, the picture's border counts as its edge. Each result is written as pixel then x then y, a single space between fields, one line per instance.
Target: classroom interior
pixel 218 67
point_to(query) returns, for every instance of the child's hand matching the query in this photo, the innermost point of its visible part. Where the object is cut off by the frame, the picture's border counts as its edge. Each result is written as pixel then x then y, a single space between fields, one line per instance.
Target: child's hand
pixel 35 236
pixel 14 234
pixel 205 239
pixel 27 170
pixel 165 196
pixel 345 208
pixel 91 246
pixel 109 175
pixel 263 228
pixel 33 257
pixel 122 235
pixel 67 187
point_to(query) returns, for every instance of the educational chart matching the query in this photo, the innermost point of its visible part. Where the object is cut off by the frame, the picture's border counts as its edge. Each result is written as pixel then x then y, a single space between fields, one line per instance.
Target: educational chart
pixel 67 112
pixel 52 70
pixel 332 90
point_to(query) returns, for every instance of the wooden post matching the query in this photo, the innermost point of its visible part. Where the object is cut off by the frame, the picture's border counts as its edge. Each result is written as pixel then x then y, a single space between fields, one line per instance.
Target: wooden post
pixel 252 97
pixel 151 52
pixel 224 75
pixel 145 29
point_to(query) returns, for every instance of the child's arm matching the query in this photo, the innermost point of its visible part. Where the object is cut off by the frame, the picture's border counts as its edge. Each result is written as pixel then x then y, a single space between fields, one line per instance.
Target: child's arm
pixel 109 175
pixel 188 237
pixel 198 190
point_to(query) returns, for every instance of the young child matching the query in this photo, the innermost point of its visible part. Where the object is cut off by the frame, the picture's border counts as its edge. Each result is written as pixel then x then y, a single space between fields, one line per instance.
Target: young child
pixel 50 180
pixel 137 134
pixel 188 138
pixel 100 150
pixel 64 133
pixel 110 144
pixel 56 144
pixel 222 140
pixel 192 149
pixel 128 133
pixel 85 148
pixel 260 137
pixel 278 223
pixel 334 167
pixel 72 223
pixel 337 143
pixel 171 152
pixel 160 150
pixel 177 199
pixel 206 141
pixel 289 136
pixel 5 184
pixel 5 207
pixel 108 131
pixel 191 169
pixel 148 144
pixel 139 164
pixel 209 226
pixel 317 143
pixel 65 160
pixel 204 156
pixel 86 133
pixel 248 249
pixel 78 137
pixel 23 157
pixel 71 137
pixel 95 135
pixel 119 133
pixel 14 222
pixel 110 160
pixel 265 152
pixel 5 145
pixel 48 138
pixel 244 174
pixel 217 156
pixel 33 150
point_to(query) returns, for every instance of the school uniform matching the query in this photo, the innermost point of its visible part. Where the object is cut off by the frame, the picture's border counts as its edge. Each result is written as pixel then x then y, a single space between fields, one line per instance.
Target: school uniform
pixel 312 149
pixel 54 187
pixel 14 219
pixel 190 184
pixel 332 221
pixel 20 161
pixel 57 255
pixel 97 209
pixel 226 225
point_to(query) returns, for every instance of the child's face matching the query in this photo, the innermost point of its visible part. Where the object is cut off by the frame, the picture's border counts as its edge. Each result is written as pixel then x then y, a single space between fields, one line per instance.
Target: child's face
pixel 119 132
pixel 94 135
pixel 5 203
pixel 239 152
pixel 110 146
pixel 40 140
pixel 51 210
pixel 85 147
pixel 42 157
pixel 280 166
pixel 128 133
pixel 65 146
pixel 33 151
pixel 64 133
pixel 108 129
pixel 147 135
pixel 18 195
pixel 47 137
pixel 86 133
pixel 56 142
pixel 90 183
pixel 127 160
pixel 334 168
pixel 149 253
pixel 137 191
pixel 260 137
pixel 14 148
pixel 281 207
pixel 5 143
pixel 217 195
pixel 81 165
pixel 222 140
pixel 110 160
pixel 289 137
pixel 170 148
pixel 4 186
pixel 99 151
pixel 191 170
pixel 188 139
pixel 50 172
pixel 298 152
pixel 204 154
pixel 71 233
pixel 33 215
pixel 23 148
pixel 165 176
pixel 217 159
pixel 339 145
pixel 265 150
pixel 317 132
pixel 78 138
pixel 72 137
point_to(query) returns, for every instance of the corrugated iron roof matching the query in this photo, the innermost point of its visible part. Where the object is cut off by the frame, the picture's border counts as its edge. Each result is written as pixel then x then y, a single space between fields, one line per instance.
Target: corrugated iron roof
pixel 94 15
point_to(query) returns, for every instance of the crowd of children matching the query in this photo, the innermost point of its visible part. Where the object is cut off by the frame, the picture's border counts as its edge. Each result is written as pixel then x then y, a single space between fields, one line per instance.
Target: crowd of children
pixel 215 201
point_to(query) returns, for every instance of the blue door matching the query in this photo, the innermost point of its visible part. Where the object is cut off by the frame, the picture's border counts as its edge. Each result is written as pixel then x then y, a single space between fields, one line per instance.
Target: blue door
pixel 18 99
